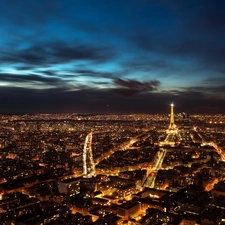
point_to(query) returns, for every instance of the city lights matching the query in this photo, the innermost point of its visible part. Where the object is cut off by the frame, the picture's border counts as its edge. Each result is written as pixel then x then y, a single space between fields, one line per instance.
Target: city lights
pixel 121 168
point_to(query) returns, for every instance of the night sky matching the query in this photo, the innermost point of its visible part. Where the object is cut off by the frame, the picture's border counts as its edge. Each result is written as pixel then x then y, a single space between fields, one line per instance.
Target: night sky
pixel 112 56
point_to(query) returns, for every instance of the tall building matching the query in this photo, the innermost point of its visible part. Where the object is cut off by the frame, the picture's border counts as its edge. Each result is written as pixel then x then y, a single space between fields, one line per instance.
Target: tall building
pixel 172 127
pixel 88 162
pixel 173 136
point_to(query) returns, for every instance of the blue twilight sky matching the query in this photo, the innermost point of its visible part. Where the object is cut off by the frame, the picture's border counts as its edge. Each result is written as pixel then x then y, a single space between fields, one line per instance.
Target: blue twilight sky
pixel 112 56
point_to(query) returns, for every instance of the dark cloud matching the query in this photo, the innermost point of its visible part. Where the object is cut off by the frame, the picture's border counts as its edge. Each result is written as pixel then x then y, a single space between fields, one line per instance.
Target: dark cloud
pixel 57 53
pixel 25 67
pixel 134 84
pixel 93 73
pixel 212 90
pixel 131 87
pixel 49 72
pixel 61 100
pixel 67 53
pixel 215 80
pixel 100 83
pixel 30 78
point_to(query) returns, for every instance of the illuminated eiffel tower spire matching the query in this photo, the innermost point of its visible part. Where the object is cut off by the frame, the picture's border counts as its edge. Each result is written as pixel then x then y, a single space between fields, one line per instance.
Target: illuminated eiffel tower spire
pixel 172 125
pixel 173 136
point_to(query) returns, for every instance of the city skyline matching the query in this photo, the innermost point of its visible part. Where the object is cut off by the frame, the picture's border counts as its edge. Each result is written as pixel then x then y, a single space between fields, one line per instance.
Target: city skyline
pixel 120 57
pixel 130 169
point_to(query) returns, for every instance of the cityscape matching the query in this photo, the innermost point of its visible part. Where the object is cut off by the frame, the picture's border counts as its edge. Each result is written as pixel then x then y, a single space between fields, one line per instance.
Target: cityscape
pixel 112 169
pixel 112 112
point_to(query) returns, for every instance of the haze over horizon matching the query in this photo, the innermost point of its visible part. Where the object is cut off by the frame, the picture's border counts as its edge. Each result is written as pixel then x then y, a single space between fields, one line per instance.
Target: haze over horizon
pixel 97 56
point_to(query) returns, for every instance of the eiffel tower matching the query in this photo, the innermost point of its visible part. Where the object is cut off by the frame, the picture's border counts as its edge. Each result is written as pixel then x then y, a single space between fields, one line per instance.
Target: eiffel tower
pixel 173 136
pixel 172 127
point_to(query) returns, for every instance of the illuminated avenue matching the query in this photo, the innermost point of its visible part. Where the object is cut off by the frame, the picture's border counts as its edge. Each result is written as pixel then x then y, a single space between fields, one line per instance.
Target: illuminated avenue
pixel 112 169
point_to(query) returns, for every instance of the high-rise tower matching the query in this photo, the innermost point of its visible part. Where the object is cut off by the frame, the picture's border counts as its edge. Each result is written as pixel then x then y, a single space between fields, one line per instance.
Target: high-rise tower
pixel 173 136
pixel 88 162
pixel 172 126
